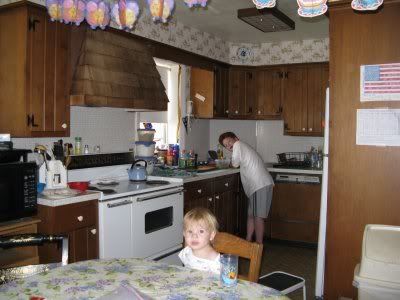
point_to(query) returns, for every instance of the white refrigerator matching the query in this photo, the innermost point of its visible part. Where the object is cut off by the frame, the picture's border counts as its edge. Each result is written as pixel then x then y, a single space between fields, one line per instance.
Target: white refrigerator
pixel 319 279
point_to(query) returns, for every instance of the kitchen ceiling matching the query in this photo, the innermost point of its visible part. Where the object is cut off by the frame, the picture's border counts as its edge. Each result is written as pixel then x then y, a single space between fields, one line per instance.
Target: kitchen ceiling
pixel 220 18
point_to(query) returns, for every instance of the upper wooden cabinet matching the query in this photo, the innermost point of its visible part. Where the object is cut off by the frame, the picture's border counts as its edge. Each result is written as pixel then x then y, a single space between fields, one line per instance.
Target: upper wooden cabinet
pixel 221 92
pixel 269 93
pixel 303 98
pixel 242 93
pixel 213 86
pixel 34 67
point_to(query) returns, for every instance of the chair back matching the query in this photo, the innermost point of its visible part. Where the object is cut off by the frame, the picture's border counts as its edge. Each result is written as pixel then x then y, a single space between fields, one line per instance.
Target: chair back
pixel 228 243
pixel 31 239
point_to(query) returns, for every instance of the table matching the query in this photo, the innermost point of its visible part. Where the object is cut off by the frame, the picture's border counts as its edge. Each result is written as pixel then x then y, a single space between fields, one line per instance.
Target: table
pixel 96 278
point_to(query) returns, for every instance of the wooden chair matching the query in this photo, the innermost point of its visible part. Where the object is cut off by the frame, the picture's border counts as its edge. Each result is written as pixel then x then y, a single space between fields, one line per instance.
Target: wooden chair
pixel 34 239
pixel 228 243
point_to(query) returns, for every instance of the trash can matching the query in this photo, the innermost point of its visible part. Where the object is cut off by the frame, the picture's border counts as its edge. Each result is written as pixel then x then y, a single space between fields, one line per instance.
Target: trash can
pixel 378 274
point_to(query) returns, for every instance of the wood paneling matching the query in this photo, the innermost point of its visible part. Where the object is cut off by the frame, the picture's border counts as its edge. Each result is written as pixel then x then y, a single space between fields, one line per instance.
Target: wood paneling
pixel 363 180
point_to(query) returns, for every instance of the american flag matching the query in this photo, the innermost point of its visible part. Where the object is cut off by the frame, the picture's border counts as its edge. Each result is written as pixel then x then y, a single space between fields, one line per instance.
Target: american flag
pixel 382 79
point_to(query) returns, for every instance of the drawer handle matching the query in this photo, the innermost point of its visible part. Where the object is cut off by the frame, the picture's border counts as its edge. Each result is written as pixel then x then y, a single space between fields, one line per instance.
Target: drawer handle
pixel 210 199
pixel 93 231
pixel 80 218
pixel 217 197
pixel 199 191
pixel 227 184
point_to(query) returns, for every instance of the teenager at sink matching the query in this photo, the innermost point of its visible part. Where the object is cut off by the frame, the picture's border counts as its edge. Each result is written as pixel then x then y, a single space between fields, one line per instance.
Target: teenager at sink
pixel 256 180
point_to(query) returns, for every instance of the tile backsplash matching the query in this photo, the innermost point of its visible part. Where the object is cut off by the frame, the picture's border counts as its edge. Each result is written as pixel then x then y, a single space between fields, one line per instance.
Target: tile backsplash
pixel 111 128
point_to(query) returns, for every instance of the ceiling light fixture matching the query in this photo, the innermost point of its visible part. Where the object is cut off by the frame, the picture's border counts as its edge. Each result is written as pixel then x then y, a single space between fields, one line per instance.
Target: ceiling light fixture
pixel 266 19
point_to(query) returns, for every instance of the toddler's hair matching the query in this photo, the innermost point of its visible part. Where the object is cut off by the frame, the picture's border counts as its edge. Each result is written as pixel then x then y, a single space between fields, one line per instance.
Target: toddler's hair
pixel 201 214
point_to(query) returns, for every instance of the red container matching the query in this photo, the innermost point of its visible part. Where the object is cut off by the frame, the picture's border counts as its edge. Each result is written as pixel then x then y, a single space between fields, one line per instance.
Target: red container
pixel 79 185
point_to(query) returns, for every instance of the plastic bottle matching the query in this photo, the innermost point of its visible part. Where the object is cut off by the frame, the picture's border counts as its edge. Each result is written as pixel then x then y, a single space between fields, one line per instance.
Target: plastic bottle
pixel 182 159
pixel 220 152
pixel 78 145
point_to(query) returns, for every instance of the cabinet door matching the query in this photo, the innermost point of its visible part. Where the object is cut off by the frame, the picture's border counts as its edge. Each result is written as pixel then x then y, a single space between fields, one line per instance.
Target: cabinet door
pixel 47 75
pixel 202 86
pixel 197 202
pixel 294 99
pixel 35 69
pixel 317 82
pixel 295 212
pixel 93 243
pixel 236 92
pixel 221 92
pixel 242 85
pixel 269 93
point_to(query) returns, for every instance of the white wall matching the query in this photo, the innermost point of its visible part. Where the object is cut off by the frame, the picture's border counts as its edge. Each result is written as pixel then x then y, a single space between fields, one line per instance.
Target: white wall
pixel 264 136
pixel 245 130
pixel 270 141
pixel 198 138
pixel 111 128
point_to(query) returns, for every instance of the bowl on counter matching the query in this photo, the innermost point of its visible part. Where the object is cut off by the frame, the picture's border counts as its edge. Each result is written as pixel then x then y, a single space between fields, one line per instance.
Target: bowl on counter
pixel 222 163
pixel 79 185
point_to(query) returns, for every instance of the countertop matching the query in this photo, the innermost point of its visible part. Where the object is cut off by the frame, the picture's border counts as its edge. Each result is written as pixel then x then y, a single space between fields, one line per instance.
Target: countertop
pixel 85 196
pixel 230 171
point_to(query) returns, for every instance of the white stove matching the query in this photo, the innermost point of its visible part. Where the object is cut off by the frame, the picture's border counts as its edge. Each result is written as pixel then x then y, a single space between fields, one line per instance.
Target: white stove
pixel 136 219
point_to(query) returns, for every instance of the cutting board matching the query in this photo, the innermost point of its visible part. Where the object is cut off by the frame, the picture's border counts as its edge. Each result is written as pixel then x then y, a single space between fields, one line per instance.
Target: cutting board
pixel 205 168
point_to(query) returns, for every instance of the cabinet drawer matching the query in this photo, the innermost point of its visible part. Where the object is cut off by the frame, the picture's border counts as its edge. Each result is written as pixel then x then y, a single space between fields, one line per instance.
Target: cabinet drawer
pixel 226 183
pixel 74 216
pixel 198 189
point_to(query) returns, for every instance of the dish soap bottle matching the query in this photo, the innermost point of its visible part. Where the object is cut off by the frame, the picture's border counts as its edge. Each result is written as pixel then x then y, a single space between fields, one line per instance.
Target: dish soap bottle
pixel 220 152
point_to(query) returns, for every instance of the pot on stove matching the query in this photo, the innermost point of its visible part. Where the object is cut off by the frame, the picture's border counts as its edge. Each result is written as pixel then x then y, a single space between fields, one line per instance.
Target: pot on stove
pixel 138 172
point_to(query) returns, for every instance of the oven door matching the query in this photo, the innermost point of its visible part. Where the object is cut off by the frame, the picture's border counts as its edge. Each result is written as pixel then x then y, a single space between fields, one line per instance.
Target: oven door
pixel 157 222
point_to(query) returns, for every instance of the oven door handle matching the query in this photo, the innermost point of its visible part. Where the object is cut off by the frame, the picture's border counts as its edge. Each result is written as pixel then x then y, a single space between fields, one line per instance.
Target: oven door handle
pixel 158 196
pixel 126 202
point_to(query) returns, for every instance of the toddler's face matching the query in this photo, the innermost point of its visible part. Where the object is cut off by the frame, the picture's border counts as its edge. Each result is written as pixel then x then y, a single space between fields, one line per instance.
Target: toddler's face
pixel 198 236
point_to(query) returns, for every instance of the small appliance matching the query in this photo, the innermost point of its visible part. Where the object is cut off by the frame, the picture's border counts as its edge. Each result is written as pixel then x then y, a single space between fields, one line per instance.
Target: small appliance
pixel 17 190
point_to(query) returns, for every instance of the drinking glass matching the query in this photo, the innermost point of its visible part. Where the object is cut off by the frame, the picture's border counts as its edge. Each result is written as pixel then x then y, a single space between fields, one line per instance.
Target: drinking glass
pixel 229 269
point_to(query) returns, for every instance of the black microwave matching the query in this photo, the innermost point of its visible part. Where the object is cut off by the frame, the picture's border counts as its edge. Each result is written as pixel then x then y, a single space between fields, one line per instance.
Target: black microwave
pixel 18 191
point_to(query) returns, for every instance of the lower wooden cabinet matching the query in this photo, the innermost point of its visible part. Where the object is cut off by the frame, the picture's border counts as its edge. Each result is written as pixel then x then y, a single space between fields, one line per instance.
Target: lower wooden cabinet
pixel 295 212
pixel 79 221
pixel 220 195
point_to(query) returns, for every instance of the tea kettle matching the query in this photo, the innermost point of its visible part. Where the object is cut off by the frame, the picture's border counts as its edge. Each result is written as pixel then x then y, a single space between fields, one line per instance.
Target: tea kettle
pixel 138 172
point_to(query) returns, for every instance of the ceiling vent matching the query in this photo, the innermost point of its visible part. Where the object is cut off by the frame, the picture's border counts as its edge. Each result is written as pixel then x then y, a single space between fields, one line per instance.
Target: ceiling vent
pixel 266 19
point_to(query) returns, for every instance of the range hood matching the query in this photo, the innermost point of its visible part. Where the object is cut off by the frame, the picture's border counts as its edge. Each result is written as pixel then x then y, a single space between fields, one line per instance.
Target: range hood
pixel 266 19
pixel 111 69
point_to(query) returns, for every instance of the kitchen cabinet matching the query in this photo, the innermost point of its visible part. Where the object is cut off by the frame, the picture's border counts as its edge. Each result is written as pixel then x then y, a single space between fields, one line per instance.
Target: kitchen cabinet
pixel 220 195
pixel 221 92
pixel 295 212
pixel 79 221
pixel 242 93
pixel 303 98
pixel 35 60
pixel 213 86
pixel 269 88
pixel 19 256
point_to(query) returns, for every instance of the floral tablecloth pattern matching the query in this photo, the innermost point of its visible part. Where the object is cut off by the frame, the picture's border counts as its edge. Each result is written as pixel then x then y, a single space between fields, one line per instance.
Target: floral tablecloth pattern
pixel 96 278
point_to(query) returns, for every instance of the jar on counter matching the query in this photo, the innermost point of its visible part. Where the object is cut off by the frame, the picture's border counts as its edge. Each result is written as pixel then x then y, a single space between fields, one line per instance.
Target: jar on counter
pixel 78 145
